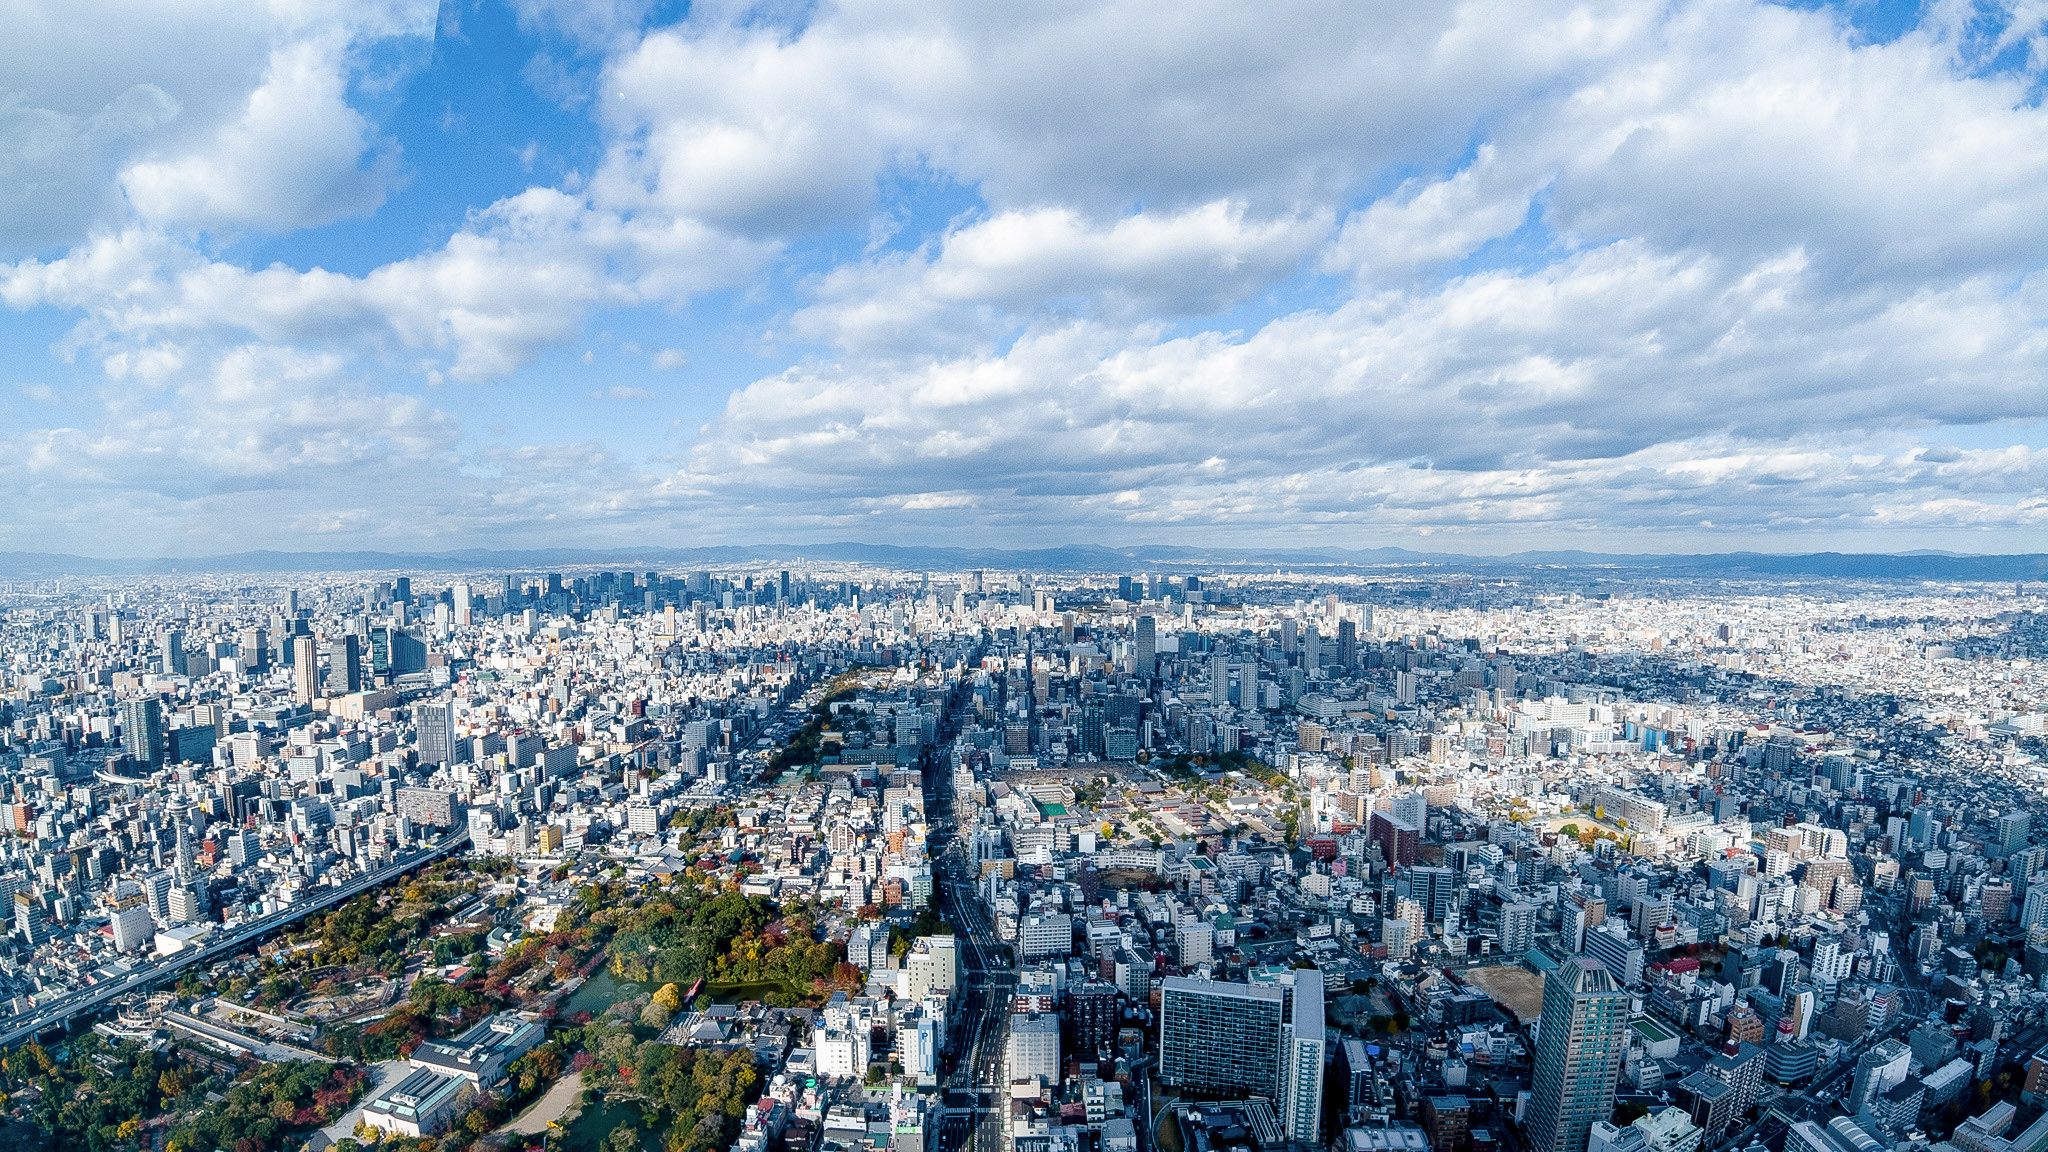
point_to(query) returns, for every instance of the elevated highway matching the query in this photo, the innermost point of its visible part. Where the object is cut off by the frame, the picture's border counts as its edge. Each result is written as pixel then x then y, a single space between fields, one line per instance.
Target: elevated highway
pixel 61 1011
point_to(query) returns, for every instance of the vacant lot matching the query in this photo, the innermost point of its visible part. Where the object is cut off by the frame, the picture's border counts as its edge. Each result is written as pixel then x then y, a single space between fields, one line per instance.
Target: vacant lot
pixel 1512 986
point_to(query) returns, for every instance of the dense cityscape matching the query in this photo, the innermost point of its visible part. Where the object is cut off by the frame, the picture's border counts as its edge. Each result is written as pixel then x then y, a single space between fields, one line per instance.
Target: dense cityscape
pixel 833 857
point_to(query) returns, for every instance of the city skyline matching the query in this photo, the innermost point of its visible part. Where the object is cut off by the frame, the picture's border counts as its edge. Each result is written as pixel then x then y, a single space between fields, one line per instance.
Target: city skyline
pixel 1693 277
pixel 924 859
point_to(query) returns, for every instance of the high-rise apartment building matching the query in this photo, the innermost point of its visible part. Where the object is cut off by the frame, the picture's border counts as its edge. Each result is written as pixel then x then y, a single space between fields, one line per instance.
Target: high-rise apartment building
pixel 1883 1067
pixel 1033 1048
pixel 1578 1055
pixel 1517 928
pixel 1301 1060
pixel 1092 1017
pixel 1222 1038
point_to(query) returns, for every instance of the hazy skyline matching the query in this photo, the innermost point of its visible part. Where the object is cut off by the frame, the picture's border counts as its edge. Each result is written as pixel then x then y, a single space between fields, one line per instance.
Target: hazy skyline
pixel 1689 276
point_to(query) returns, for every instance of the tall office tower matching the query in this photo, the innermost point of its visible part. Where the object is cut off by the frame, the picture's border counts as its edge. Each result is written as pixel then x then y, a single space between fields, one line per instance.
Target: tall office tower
pixel 401 589
pixel 1219 681
pixel 29 923
pixel 465 615
pixel 1435 888
pixel 1148 645
pixel 1347 644
pixel 1578 1055
pixel 1093 722
pixel 173 655
pixel 1312 649
pixel 1222 1038
pixel 344 665
pixel 1923 827
pixel 1301 1060
pixel 1290 636
pixel 142 730
pixel 253 651
pixel 436 732
pixel 305 670
pixel 2012 829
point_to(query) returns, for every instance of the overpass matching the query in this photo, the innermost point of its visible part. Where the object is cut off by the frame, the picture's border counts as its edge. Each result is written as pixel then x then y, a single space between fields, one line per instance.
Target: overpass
pixel 60 1011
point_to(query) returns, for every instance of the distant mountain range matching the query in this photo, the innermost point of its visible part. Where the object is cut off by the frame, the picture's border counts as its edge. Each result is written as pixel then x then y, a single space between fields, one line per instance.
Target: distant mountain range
pixel 1070 558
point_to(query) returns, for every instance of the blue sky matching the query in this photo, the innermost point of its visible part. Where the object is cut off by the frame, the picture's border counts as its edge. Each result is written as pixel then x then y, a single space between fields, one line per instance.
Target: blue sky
pixel 1608 274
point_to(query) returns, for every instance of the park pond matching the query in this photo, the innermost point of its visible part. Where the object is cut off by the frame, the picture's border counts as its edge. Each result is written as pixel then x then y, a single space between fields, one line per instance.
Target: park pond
pixel 599 993
pixel 587 1132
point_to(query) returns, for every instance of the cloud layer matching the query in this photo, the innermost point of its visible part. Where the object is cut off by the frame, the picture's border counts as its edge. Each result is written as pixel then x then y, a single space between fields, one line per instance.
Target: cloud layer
pixel 1717 271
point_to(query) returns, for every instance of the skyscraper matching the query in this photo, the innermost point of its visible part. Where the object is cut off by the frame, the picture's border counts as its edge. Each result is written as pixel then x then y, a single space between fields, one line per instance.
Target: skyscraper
pixel 305 670
pixel 1218 1037
pixel 253 650
pixel 142 730
pixel 344 665
pixel 1301 1060
pixel 1148 645
pixel 436 731
pixel 1093 720
pixel 29 922
pixel 1578 1055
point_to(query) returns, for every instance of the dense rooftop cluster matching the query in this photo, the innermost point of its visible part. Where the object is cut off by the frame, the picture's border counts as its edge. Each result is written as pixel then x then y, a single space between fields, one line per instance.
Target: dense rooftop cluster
pixel 1000 838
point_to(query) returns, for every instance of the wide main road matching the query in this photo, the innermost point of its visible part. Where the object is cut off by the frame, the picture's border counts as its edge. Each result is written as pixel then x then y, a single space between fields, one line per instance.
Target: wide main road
pixel 61 1010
